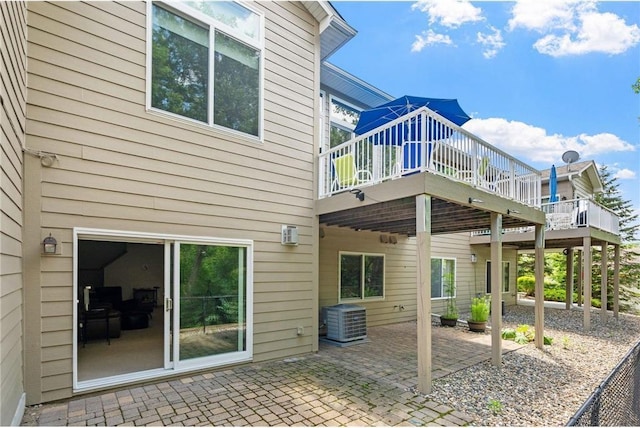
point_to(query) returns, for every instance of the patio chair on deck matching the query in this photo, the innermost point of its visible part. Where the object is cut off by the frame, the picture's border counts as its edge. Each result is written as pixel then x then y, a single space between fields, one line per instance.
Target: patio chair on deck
pixel 487 176
pixel 346 173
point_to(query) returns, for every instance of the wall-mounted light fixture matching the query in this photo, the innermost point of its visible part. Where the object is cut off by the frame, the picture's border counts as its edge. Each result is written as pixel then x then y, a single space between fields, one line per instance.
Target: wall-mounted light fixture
pixel 49 245
pixel 475 200
pixel 359 194
pixel 512 212
pixel 474 258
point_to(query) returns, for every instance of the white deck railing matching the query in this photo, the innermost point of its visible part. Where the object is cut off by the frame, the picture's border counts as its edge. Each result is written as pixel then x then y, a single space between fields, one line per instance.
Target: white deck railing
pixel 425 141
pixel 571 214
pixel 580 213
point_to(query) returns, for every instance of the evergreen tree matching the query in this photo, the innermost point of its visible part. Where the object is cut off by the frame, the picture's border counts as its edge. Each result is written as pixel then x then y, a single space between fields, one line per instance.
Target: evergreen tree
pixel 611 198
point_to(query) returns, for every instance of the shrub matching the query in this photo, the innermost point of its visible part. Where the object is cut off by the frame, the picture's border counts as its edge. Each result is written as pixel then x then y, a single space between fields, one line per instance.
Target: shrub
pixel 527 284
pixel 480 309
pixel 523 334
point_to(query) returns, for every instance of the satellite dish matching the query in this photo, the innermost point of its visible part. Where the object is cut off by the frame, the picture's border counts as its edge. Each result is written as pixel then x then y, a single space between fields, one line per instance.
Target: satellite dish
pixel 569 157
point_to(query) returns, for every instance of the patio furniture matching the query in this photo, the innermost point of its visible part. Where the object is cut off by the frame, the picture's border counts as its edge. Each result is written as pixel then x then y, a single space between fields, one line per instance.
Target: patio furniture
pixel 346 173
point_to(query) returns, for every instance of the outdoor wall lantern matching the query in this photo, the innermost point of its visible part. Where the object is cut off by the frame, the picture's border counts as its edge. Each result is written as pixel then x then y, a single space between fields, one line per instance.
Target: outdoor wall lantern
pixel 474 258
pixel 49 245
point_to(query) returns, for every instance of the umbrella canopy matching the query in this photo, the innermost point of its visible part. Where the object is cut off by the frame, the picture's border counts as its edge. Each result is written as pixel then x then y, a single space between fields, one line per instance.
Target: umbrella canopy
pixel 553 184
pixel 378 116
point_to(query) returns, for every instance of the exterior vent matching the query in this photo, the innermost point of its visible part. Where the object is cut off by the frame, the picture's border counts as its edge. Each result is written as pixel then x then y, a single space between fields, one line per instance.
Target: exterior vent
pixel 289 235
pixel 346 323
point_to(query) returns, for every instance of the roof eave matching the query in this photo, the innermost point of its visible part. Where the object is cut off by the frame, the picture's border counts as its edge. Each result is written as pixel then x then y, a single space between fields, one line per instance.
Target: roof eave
pixel 334 30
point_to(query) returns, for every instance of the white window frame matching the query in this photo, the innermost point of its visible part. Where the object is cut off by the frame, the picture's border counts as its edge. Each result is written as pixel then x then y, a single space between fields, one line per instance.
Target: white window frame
pixel 455 277
pixel 362 290
pixel 213 25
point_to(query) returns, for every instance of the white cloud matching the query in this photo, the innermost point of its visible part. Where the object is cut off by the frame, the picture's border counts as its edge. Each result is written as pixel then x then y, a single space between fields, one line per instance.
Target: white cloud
pixel 449 13
pixel 573 27
pixel 532 143
pixel 492 42
pixel 429 38
pixel 544 16
pixel 625 174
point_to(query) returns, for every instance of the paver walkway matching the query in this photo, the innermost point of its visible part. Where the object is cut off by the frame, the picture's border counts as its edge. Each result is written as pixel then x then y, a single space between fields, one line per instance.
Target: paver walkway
pixel 369 384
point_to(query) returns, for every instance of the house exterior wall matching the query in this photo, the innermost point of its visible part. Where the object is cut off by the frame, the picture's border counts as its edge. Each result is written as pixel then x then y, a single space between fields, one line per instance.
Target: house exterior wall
pixel 480 272
pixel 400 272
pixel 582 186
pixel 121 167
pixel 13 27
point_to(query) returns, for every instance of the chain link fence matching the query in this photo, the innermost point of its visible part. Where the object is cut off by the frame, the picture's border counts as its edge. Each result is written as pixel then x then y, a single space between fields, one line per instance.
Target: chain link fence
pixel 616 401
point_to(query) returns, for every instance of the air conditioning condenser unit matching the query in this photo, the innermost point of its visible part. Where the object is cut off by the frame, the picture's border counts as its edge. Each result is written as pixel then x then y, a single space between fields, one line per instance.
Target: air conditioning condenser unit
pixel 346 322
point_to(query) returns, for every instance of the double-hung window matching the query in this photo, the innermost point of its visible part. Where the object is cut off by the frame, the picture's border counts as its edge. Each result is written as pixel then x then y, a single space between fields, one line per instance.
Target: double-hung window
pixel 443 275
pixel 206 63
pixel 361 276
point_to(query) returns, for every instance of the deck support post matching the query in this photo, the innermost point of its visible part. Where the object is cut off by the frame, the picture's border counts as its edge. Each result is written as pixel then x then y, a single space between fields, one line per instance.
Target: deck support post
pixel 586 271
pixel 604 280
pixel 496 289
pixel 423 275
pixel 580 284
pixel 569 295
pixel 616 280
pixel 539 288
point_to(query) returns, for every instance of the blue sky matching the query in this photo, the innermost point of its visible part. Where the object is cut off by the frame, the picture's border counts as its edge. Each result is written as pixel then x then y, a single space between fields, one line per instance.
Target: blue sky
pixel 538 77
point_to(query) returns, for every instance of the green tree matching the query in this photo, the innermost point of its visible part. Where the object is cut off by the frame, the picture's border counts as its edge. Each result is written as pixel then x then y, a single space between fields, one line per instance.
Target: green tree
pixel 612 199
pixel 636 86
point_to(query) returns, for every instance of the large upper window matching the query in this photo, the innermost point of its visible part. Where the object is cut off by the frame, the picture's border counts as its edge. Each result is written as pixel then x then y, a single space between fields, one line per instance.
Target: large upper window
pixel 206 62
pixel 361 276
pixel 443 275
pixel 344 119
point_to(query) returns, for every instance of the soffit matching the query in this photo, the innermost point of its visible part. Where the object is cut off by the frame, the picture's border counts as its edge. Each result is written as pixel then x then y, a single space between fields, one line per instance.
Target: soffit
pixel 337 80
pixel 334 30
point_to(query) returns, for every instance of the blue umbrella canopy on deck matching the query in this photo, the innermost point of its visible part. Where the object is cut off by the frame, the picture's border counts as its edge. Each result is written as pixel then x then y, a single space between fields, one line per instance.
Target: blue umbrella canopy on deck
pixel 385 113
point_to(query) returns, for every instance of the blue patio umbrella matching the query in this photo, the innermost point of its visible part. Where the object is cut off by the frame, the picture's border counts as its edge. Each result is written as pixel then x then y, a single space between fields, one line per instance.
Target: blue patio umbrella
pixel 385 113
pixel 553 185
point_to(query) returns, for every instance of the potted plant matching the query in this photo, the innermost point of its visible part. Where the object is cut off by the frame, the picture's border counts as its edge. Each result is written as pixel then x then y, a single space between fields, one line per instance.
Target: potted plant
pixel 479 314
pixel 450 317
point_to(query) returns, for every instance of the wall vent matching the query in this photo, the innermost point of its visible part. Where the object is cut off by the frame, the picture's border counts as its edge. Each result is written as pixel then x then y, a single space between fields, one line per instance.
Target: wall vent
pixel 289 235
pixel 346 322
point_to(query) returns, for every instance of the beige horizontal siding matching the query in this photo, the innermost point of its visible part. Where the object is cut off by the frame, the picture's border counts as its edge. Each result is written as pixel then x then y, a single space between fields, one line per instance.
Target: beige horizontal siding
pixel 13 18
pixel 400 274
pixel 121 167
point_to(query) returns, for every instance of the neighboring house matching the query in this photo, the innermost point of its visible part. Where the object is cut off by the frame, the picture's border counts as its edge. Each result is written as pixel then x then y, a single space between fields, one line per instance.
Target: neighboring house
pixel 574 222
pixel 161 218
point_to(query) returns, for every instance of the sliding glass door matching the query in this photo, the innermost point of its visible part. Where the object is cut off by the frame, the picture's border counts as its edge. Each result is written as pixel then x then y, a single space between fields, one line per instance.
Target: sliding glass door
pixel 210 301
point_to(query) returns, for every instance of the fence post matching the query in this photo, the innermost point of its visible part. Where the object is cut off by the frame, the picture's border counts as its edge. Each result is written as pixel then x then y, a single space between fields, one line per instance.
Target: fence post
pixel 204 316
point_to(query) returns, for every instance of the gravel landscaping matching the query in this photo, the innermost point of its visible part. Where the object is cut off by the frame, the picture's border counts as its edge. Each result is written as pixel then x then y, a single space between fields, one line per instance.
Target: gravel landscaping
pixel 541 387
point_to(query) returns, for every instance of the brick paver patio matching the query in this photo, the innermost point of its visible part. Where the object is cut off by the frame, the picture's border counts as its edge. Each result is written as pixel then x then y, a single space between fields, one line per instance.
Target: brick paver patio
pixel 368 384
